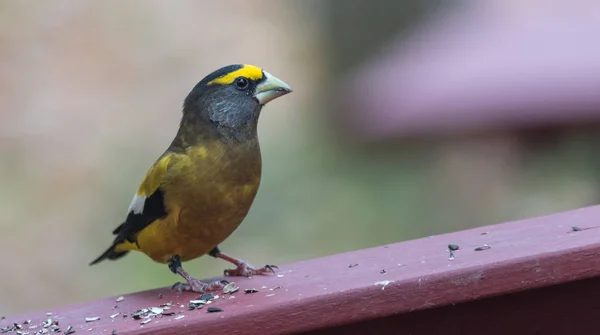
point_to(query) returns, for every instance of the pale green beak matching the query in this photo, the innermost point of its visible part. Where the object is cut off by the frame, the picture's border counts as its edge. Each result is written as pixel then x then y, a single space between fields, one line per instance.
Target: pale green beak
pixel 270 89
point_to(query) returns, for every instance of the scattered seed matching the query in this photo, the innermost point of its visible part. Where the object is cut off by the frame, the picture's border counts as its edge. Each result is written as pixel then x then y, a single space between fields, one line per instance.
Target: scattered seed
pixel 453 247
pixel 166 304
pixel 263 287
pixel 119 299
pixel 145 321
pixel 383 284
pixel 275 288
pixel 250 290
pixel 575 228
pixel 179 317
pixel 352 265
pixel 156 310
pixel 139 313
pixel 69 330
pixel 214 310
pixel 192 307
pixel 382 271
pixel 270 295
pixel 160 296
pixel 92 319
pixel 114 315
pixel 207 297
pixel 230 288
pixel 198 302
pixel 483 247
pixel 280 276
pixel 47 323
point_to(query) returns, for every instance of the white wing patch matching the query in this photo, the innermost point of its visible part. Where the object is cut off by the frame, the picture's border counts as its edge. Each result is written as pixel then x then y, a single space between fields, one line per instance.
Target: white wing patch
pixel 137 204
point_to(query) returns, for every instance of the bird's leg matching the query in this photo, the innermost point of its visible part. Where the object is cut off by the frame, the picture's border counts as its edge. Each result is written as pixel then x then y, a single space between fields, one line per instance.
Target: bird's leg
pixel 242 267
pixel 193 284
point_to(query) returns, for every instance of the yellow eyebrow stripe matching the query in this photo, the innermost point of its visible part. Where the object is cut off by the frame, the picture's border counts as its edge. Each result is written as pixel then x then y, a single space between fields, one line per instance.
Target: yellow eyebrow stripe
pixel 249 71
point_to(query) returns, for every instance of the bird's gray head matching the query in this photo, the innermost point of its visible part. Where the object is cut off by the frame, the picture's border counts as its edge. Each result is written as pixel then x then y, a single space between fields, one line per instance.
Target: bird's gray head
pixel 231 98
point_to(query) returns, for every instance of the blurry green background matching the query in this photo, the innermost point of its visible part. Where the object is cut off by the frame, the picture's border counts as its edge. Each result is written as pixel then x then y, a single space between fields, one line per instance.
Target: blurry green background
pixel 91 94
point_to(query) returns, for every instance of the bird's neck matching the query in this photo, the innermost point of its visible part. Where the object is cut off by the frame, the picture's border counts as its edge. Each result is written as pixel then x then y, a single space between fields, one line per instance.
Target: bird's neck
pixel 194 130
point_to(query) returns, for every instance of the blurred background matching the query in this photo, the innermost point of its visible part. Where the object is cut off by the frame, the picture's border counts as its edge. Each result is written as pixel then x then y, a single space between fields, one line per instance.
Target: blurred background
pixel 408 118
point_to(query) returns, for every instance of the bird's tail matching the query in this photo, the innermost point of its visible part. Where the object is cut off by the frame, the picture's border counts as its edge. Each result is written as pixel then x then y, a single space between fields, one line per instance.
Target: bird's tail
pixel 110 254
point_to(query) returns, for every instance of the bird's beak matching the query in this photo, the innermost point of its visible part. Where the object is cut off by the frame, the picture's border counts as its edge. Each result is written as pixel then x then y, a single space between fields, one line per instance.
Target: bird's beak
pixel 270 88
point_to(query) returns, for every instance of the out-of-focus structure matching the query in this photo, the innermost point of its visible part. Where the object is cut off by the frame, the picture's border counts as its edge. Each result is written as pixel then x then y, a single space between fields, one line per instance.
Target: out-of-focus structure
pixel 481 67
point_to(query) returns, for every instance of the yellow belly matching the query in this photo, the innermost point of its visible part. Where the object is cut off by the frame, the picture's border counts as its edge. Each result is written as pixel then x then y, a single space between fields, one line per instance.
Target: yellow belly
pixel 197 227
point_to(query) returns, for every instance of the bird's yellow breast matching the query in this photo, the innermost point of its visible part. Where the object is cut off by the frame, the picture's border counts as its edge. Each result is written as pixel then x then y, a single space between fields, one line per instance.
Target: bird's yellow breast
pixel 208 191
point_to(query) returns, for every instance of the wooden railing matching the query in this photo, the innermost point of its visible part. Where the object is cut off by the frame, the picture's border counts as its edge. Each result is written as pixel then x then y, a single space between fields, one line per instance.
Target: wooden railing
pixel 535 276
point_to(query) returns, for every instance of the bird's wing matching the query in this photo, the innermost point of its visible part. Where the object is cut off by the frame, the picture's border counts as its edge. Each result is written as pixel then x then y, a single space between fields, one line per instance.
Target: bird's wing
pixel 147 204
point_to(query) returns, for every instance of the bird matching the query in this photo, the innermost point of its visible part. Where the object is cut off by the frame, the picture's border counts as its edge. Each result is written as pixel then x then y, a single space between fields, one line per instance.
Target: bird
pixel 201 188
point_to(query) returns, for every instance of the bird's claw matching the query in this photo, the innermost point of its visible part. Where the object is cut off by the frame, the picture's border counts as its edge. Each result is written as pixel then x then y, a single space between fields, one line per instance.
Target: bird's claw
pixel 247 270
pixel 271 268
pixel 177 286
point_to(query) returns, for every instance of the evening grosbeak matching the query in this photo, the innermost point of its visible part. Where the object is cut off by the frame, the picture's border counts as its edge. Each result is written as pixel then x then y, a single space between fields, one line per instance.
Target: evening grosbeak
pixel 201 188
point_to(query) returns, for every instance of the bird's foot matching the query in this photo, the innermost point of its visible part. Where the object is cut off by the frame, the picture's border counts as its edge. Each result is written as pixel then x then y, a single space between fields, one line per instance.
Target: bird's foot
pixel 246 270
pixel 242 269
pixel 195 285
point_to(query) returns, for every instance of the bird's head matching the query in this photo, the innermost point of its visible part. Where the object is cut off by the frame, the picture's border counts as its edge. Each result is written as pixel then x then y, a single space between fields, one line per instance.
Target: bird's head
pixel 231 98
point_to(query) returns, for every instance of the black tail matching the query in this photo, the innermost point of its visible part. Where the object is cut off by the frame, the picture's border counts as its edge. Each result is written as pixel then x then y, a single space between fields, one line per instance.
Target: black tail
pixel 110 254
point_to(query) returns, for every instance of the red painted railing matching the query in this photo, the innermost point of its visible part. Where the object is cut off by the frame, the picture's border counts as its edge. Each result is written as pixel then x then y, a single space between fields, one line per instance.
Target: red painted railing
pixel 536 276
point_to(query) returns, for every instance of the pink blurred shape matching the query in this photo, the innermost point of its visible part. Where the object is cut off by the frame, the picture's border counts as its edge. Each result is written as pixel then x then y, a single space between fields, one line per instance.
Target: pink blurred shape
pixel 486 65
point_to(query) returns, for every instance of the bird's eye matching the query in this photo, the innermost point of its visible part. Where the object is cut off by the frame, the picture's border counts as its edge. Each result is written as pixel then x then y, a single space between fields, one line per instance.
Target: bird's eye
pixel 241 83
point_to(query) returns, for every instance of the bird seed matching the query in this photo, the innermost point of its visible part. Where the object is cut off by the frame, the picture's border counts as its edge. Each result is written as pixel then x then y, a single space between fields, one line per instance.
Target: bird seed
pixel 207 297
pixel 214 310
pixel 453 247
pixel 230 288
pixel 156 310
pixel 483 247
